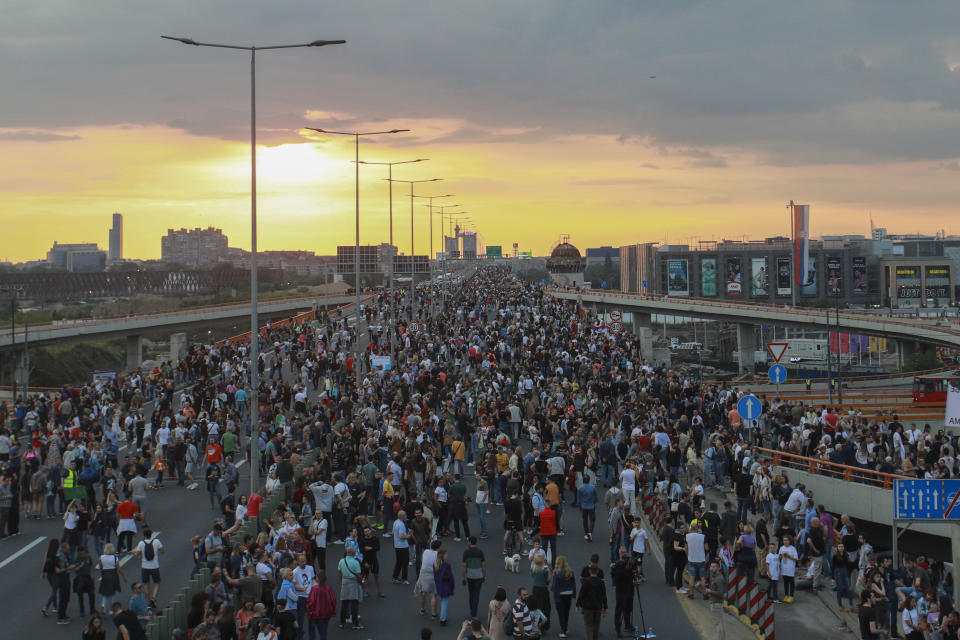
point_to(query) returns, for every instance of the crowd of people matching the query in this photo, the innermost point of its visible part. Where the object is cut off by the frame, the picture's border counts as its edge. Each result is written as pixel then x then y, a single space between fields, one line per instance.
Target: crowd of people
pixel 509 402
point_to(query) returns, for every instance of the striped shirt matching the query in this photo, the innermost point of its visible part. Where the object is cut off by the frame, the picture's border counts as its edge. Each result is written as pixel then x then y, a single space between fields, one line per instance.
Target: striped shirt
pixel 522 623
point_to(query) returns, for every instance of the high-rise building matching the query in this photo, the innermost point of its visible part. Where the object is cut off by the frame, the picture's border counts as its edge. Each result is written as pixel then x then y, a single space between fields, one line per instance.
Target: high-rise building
pixel 115 248
pixel 193 247
pixel 469 245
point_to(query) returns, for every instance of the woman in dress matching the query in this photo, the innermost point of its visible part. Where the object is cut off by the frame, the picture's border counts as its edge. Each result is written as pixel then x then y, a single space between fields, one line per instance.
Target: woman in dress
pixel 499 612
pixel 351 589
pixel 426 582
pixel 540 575
pixel 446 584
pixel 110 575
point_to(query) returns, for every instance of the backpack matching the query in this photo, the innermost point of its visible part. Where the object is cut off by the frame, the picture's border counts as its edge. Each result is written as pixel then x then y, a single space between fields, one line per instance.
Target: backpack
pixel 149 551
pixel 321 603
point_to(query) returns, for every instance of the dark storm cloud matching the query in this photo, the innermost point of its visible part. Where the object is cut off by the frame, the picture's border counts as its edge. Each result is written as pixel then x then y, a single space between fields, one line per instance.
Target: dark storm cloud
pixel 813 82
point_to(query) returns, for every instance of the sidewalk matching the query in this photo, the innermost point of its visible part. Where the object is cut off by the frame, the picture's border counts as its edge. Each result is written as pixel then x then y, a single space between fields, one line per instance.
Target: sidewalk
pixel 812 612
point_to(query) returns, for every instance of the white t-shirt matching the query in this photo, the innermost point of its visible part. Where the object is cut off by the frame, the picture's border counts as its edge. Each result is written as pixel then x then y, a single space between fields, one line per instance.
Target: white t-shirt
pixel 323 495
pixel 909 615
pixel 773 566
pixel 320 535
pixel 108 562
pixel 481 497
pixel 150 564
pixel 628 480
pixel 303 579
pixel 639 539
pixel 429 559
pixel 788 566
pixel 695 550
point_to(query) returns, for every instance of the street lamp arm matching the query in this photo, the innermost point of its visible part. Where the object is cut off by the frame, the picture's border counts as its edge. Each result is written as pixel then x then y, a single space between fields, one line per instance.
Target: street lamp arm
pixel 192 42
pixel 356 133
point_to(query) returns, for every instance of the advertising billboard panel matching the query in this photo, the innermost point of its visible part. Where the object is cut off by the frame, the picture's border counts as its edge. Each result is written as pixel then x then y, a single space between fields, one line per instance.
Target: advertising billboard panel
pixel 810 278
pixel 834 276
pixel 759 278
pixel 708 277
pixel 860 285
pixel 678 278
pixel 734 276
pixel 783 277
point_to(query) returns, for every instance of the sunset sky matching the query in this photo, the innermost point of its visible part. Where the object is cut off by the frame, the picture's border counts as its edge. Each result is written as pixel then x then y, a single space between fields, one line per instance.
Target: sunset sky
pixel 541 116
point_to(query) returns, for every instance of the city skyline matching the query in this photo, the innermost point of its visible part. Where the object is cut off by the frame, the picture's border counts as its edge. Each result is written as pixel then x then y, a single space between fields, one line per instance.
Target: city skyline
pixel 642 123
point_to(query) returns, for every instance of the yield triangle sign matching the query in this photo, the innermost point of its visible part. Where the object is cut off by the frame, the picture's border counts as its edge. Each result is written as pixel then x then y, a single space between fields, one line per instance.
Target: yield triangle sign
pixel 777 349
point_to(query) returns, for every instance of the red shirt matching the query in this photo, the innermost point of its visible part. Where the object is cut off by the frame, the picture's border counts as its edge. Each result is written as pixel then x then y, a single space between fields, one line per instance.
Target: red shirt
pixel 127 510
pixel 548 522
pixel 214 453
pixel 253 505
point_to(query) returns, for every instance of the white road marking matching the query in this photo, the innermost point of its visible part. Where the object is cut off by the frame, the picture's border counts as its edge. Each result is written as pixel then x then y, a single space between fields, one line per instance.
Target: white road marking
pixel 22 551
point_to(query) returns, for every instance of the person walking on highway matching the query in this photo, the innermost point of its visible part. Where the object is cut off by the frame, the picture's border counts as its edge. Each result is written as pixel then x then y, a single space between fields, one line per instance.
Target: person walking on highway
pixel 401 547
pixel 474 573
pixel 591 601
pixel 587 499
pixel 149 550
pixel 110 575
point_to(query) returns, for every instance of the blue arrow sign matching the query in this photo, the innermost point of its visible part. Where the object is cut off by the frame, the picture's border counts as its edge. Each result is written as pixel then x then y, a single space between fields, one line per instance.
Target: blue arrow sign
pixel 750 408
pixel 777 373
pixel 645 286
pixel 926 499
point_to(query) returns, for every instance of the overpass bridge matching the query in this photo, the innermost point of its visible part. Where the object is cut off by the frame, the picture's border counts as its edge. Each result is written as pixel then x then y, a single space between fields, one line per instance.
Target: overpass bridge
pixel 911 333
pixel 135 326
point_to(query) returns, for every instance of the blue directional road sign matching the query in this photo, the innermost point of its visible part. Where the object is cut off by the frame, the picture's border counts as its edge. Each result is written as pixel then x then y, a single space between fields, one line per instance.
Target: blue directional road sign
pixel 777 373
pixel 750 408
pixel 926 499
pixel 644 284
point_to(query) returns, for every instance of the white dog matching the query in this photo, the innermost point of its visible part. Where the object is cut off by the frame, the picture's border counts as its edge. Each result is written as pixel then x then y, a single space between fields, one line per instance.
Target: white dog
pixel 512 563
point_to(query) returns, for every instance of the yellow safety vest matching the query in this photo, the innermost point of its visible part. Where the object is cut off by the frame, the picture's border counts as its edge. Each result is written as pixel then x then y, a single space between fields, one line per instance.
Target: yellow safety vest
pixel 70 480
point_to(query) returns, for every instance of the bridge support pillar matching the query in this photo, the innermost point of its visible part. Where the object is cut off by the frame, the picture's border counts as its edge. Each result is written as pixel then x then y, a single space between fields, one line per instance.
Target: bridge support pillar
pixel 746 347
pixel 643 329
pixel 134 352
pixel 178 346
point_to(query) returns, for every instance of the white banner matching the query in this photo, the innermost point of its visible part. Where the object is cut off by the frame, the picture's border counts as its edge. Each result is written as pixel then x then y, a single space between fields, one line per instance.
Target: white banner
pixel 952 417
pixel 380 361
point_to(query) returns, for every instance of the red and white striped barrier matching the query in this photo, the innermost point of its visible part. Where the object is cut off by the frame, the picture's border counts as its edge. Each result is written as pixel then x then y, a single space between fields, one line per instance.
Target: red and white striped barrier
pixel 733 582
pixel 742 598
pixel 755 600
pixel 764 619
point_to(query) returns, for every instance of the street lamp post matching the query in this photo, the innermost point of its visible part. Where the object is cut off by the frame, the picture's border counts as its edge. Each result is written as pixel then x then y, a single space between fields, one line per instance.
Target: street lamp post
pixel 443 265
pixel 393 314
pixel 356 245
pixel 413 264
pixel 254 320
pixel 430 257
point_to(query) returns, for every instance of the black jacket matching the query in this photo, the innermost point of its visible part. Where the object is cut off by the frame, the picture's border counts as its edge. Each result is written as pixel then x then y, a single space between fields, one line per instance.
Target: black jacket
pixel 593 594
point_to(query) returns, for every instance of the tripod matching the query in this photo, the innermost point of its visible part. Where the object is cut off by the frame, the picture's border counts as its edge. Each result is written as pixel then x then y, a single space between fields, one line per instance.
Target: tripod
pixel 640 631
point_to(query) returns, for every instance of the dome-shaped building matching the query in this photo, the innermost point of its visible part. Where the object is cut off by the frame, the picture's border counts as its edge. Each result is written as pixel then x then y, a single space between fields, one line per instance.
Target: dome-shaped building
pixel 565 263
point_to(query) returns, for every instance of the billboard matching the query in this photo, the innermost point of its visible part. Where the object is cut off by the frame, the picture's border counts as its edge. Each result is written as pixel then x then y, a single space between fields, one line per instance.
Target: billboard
pixel 783 277
pixel 759 278
pixel 494 252
pixel 952 416
pixel 810 278
pixel 708 277
pixel 801 242
pixel 860 286
pixel 834 276
pixel 678 278
pixel 734 286
pixel 908 283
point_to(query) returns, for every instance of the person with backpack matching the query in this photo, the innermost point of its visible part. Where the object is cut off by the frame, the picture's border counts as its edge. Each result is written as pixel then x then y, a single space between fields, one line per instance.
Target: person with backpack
pixel 321 606
pixel 149 550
